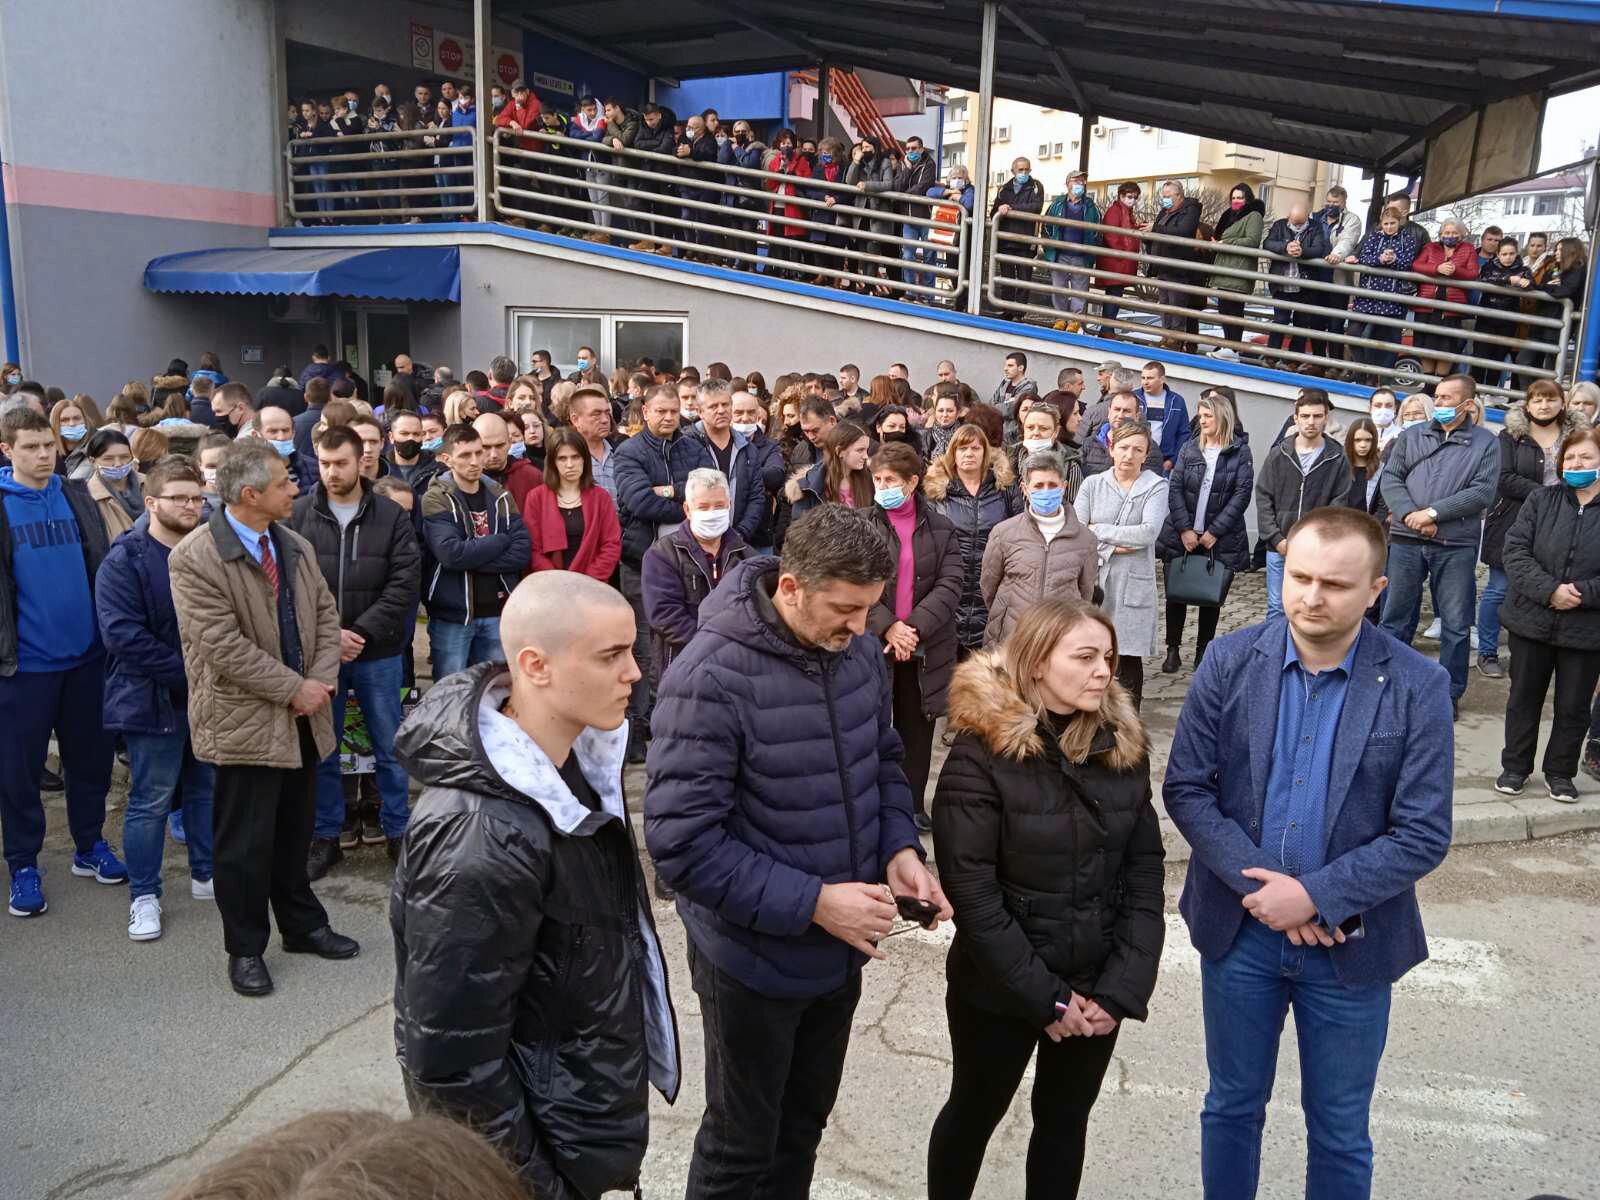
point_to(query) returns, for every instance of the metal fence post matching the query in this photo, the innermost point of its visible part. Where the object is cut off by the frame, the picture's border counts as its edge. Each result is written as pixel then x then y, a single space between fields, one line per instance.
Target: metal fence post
pixel 980 160
pixel 483 33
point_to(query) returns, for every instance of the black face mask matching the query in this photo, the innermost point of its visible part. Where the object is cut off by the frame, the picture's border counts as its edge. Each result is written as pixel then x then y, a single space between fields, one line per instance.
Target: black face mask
pixel 407 448
pixel 741 137
pixel 1544 421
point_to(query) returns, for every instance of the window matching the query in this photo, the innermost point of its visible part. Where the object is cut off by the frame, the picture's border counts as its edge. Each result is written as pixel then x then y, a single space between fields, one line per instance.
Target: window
pixel 956 110
pixel 1000 178
pixel 1002 133
pixel 1058 150
pixel 1044 149
pixel 1548 205
pixel 1117 139
pixel 955 156
pixel 1166 139
pixel 1517 205
pixel 617 338
pixel 1264 194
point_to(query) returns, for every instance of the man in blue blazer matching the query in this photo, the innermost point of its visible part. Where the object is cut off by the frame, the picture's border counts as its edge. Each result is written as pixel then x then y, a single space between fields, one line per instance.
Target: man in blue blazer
pixel 1311 773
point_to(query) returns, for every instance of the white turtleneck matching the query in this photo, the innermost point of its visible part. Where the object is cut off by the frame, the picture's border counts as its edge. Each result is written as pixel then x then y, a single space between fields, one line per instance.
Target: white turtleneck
pixel 1049 527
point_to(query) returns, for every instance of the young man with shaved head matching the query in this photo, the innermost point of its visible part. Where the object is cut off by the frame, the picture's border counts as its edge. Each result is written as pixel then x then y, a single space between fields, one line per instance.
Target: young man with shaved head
pixel 531 997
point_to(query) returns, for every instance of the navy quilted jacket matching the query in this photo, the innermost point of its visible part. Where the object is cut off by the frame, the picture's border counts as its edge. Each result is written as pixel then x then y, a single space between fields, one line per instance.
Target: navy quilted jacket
pixel 773 769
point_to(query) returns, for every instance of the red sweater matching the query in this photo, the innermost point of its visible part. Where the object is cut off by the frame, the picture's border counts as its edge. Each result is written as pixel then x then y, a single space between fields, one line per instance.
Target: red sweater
pixel 599 551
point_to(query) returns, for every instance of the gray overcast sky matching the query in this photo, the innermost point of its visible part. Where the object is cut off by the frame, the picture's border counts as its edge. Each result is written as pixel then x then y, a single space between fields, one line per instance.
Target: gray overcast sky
pixel 1571 125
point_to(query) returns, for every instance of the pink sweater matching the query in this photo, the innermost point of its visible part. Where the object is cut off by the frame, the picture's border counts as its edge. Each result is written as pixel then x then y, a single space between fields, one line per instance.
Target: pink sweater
pixel 903 521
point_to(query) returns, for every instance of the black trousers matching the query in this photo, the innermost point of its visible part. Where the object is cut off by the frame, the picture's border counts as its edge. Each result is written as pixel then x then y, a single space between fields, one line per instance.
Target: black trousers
pixel 988 1055
pixel 1532 666
pixel 915 729
pixel 1130 674
pixel 772 1075
pixel 642 697
pixel 1177 612
pixel 262 820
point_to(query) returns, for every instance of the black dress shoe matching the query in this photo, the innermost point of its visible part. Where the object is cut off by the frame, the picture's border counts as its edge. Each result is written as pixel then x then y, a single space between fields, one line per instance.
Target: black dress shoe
pixel 1173 661
pixel 320 858
pixel 49 781
pixel 324 943
pixel 248 975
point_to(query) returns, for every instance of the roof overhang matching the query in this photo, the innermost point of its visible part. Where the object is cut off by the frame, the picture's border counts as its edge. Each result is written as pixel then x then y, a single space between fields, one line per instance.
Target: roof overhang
pixel 386 273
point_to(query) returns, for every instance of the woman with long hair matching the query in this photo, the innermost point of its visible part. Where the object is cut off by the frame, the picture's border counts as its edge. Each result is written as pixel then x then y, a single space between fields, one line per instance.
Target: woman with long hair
pixel 572 522
pixel 973 486
pixel 783 426
pixel 460 407
pixel 72 424
pixel 840 476
pixel 1565 281
pixel 1240 228
pixel 525 394
pixel 1050 853
pixel 881 393
pixel 756 384
pixel 115 485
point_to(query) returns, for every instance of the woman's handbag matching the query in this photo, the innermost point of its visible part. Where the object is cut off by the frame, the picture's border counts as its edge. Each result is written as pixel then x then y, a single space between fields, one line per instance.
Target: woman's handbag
pixel 1198 579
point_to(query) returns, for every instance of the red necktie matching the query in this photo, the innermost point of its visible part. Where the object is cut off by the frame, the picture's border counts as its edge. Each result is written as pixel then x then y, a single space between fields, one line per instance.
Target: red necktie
pixel 269 565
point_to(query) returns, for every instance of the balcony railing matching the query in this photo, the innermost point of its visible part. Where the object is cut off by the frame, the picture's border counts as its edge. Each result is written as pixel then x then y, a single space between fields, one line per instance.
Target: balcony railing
pixel 415 173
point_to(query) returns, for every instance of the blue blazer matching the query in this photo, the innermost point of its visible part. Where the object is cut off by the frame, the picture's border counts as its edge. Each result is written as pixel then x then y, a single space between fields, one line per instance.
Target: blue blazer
pixel 1389 800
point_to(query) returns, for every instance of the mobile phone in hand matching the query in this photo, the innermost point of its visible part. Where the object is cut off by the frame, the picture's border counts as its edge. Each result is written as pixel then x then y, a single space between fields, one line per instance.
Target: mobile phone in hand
pixel 923 912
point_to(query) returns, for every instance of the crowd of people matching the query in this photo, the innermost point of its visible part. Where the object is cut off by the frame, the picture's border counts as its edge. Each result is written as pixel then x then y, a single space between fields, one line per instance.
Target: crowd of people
pixel 770 596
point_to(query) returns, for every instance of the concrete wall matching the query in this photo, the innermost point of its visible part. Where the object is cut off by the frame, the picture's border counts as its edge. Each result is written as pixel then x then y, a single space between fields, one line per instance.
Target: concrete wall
pixel 381 29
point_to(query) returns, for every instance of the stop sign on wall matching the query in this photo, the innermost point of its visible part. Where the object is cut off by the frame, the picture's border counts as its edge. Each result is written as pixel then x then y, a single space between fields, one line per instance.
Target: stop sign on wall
pixel 451 55
pixel 506 68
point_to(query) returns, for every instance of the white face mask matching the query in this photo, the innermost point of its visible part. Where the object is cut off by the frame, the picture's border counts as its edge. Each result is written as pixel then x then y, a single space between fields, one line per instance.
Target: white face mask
pixel 1383 417
pixel 1034 445
pixel 748 430
pixel 210 476
pixel 711 524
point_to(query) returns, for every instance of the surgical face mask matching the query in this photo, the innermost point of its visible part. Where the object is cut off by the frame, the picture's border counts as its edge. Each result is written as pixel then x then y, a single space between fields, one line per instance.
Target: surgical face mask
pixel 74 433
pixel 583 364
pixel 209 474
pixel 824 159
pixel 433 443
pixel 1580 479
pixel 1449 243
pixel 1383 417
pixel 115 473
pixel 1034 445
pixel 350 104
pixel 1046 501
pixel 890 498
pixel 1404 425
pixel 516 450
pixel 687 415
pixel 1166 202
pixel 709 524
pixel 1443 415
pixel 749 429
pixel 284 448
pixel 1128 200
pixel 1022 178
pixel 1077 191
pixel 13 379
pixel 499 102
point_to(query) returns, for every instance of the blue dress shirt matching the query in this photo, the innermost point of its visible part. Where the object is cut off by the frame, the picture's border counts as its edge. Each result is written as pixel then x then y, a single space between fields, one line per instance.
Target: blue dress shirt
pixel 250 537
pixel 1294 820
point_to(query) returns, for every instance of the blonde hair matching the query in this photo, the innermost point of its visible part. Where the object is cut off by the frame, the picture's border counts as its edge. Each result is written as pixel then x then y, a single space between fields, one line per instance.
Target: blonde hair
pixel 561 399
pixel 1028 648
pixel 453 402
pixel 1222 410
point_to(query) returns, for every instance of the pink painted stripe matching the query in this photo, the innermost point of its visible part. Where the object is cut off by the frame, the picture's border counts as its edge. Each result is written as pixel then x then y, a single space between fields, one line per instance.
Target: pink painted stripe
pixel 50 188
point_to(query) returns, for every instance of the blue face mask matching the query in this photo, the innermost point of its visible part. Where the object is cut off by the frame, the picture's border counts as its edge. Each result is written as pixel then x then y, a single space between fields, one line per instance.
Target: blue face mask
pixel 432 444
pixel 1449 243
pixel 583 364
pixel 284 448
pixel 1046 501
pixel 13 380
pixel 1166 202
pixel 74 433
pixel 1022 178
pixel 114 473
pixel 516 450
pixel 1077 191
pixel 1443 415
pixel 890 498
pixel 824 159
pixel 1580 479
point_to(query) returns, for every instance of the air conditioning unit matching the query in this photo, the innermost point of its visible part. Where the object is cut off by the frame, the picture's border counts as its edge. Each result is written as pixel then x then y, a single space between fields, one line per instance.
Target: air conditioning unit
pixel 297 310
pixel 1144 128
pixel 1099 131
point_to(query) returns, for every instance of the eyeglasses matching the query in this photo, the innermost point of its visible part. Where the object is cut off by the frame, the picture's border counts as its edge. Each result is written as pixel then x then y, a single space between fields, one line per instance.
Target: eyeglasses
pixel 186 501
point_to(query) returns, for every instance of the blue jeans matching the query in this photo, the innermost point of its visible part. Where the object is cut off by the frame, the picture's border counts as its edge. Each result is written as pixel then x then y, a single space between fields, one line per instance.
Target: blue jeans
pixel 911 252
pixel 1274 584
pixel 1452 570
pixel 1489 602
pixel 377 684
pixel 1341 1032
pixel 456 645
pixel 157 762
pixel 320 186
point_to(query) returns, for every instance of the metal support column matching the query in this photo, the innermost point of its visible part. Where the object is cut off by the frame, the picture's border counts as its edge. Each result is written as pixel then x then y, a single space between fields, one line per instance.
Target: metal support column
pixel 824 99
pixel 1380 193
pixel 483 56
pixel 977 253
pixel 1083 142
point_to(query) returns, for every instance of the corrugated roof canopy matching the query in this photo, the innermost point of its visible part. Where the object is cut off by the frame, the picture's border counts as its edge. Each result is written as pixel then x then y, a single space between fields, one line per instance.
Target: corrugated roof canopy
pixel 1353 81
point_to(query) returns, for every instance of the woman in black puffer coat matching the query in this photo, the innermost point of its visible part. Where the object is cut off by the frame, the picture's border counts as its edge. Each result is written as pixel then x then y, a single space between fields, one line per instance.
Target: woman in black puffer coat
pixel 1050 853
pixel 1222 451
pixel 972 485
pixel 1552 612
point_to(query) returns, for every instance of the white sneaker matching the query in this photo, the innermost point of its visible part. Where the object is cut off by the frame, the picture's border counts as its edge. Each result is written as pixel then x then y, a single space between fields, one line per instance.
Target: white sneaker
pixel 202 889
pixel 1433 631
pixel 1224 352
pixel 144 919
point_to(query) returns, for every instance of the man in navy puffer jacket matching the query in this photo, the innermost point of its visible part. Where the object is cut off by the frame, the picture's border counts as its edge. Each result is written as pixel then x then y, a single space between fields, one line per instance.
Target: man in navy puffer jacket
pixel 777 809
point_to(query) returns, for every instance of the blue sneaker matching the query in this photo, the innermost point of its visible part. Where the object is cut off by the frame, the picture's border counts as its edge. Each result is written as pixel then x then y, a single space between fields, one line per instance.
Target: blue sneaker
pixel 27 893
pixel 175 827
pixel 100 865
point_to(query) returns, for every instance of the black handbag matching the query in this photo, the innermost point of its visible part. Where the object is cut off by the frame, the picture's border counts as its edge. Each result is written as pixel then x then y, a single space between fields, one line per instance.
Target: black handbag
pixel 1198 579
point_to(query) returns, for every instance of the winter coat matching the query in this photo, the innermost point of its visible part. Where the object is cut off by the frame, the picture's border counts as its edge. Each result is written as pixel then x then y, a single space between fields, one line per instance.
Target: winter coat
pixel 1367 253
pixel 1054 868
pixel 1128 581
pixel 1521 474
pixel 1492 272
pixel 1314 249
pixel 1428 261
pixel 767 470
pixel 1181 220
pixel 455 557
pixel 519 478
pixel 643 463
pixel 878 175
pixel 373 566
pixel 1232 485
pixel 774 768
pixel 280 392
pixel 525 116
pixel 600 549
pixel 796 167
pixel 239 685
pixel 975 518
pixel 659 140
pixel 146 689
pixel 1026 198
pixel 1344 232
pixel 675 578
pixel 1122 217
pixel 1066 233
pixel 113 515
pixel 92 536
pixel 530 996
pixel 936 559
pixel 1455 474
pixel 1552 541
pixel 1284 494
pixel 747 494
pixel 463 118
pixel 914 179
pixel 1019 568
pixel 418 474
pixel 1243 230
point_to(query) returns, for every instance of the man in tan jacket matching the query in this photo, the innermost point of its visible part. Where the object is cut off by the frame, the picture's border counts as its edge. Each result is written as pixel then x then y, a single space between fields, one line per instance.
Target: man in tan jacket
pixel 260 634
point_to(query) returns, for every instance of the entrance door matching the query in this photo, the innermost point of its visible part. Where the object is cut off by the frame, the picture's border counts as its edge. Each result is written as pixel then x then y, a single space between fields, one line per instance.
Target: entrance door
pixel 370 336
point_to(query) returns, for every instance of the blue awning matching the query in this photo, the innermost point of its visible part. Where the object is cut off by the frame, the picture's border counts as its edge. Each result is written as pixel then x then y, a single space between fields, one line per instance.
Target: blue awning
pixel 390 273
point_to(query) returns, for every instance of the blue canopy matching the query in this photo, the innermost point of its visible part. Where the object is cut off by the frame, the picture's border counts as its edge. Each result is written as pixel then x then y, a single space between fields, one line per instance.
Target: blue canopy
pixel 391 273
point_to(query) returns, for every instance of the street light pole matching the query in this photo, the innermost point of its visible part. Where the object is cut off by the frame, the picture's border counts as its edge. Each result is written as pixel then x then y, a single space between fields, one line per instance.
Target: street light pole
pixel 978 250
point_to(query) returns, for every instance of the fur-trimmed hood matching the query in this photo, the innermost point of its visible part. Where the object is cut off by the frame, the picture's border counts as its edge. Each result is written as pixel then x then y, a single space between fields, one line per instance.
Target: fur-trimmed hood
pixel 985 702
pixel 1518 424
pixel 937 483
pixel 170 383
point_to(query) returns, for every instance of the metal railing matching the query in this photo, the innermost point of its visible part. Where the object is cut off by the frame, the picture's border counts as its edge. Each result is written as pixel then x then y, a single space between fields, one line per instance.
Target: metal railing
pixel 427 174
pixel 733 216
pixel 1547 341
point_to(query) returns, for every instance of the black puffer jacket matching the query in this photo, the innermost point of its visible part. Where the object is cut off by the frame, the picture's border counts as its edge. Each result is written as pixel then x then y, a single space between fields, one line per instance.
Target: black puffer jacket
pixel 373 566
pixel 530 991
pixel 1521 474
pixel 936 555
pixel 1552 542
pixel 974 518
pixel 1231 488
pixel 1054 868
